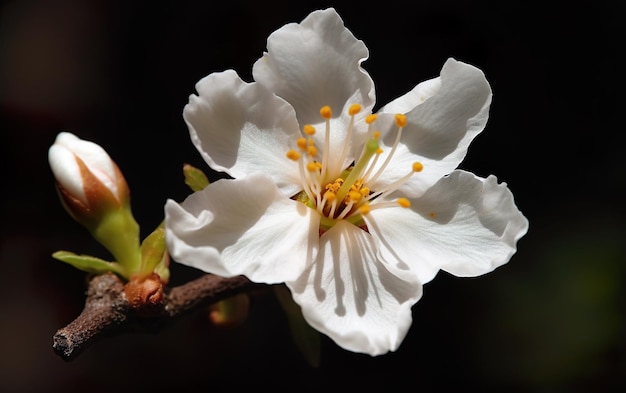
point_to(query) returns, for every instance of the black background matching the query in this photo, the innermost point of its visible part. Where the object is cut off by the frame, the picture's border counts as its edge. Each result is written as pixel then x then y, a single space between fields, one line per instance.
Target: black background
pixel 119 73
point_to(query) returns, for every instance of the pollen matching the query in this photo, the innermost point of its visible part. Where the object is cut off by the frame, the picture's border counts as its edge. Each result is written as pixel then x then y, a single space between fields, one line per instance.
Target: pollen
pixel 354 109
pixel 311 151
pixel 403 202
pixel 417 166
pixel 302 143
pixel 313 166
pixel 355 196
pixel 400 120
pixel 326 112
pixel 371 118
pixel 293 155
pixel 309 129
pixel 330 196
pixel 364 209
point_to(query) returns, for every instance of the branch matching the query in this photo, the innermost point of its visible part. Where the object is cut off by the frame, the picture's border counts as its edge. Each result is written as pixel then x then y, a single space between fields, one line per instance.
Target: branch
pixel 107 309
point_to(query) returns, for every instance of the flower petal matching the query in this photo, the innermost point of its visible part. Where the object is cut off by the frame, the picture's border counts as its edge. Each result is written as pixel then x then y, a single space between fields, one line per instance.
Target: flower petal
pixel 464 225
pixel 242 128
pixel 243 227
pixel 439 130
pixel 316 63
pixel 352 296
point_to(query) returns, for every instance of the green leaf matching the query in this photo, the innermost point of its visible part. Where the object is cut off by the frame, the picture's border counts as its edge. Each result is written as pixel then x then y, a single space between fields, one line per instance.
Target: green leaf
pixel 305 337
pixel 152 250
pixel 195 178
pixel 88 263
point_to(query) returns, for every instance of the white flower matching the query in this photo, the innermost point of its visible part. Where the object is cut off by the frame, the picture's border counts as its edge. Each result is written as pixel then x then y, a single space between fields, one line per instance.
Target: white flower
pixel 353 211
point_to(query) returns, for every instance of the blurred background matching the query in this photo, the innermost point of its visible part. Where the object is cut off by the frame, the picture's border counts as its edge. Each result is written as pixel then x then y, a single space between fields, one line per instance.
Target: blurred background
pixel 119 73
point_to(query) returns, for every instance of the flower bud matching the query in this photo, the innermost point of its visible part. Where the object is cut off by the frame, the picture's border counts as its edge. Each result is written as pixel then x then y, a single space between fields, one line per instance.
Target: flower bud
pixel 94 192
pixel 88 180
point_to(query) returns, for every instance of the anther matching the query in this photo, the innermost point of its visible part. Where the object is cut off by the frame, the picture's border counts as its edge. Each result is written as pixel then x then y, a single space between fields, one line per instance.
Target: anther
pixel 354 109
pixel 326 112
pixel 293 155
pixel 355 196
pixel 365 209
pixel 417 166
pixel 309 129
pixel 312 166
pixel 403 202
pixel 330 196
pixel 376 134
pixel 369 119
pixel 400 120
pixel 302 143
pixel 311 151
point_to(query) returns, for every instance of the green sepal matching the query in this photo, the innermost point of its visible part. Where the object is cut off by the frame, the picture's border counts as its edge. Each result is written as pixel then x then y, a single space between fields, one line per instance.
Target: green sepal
pixel 88 263
pixel 195 178
pixel 305 337
pixel 153 251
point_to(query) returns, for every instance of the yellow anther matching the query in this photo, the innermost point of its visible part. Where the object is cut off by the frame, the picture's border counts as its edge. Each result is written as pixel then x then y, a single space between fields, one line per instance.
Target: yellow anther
pixel 364 209
pixel 417 166
pixel 355 196
pixel 400 120
pixel 312 166
pixel 364 191
pixel 371 118
pixel 326 112
pixel 309 130
pixel 301 142
pixel 354 109
pixel 293 155
pixel 376 134
pixel 311 151
pixel 403 202
pixel 379 151
pixel 330 196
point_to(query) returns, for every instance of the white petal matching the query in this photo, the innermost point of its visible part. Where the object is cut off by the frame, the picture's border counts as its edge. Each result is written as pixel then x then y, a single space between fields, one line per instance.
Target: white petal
pixel 464 225
pixel 243 227
pixel 415 97
pixel 356 299
pixel 242 128
pixel 316 63
pixel 439 130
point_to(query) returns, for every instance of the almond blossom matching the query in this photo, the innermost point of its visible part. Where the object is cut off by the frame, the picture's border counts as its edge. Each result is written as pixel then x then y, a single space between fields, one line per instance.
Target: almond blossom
pixel 353 210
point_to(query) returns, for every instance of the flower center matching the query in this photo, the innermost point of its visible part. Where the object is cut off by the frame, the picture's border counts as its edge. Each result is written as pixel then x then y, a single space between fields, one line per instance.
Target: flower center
pixel 348 196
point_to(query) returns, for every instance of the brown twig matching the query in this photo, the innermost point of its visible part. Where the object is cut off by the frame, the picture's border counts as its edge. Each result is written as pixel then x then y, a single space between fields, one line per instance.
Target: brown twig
pixel 107 309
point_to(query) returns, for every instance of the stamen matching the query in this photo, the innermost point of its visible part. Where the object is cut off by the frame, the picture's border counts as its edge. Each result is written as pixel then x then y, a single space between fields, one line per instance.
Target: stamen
pixel 301 142
pixel 416 167
pixel 403 202
pixel 309 130
pixel 369 119
pixel 365 209
pixel 326 112
pixel 354 109
pixel 293 155
pixel 400 122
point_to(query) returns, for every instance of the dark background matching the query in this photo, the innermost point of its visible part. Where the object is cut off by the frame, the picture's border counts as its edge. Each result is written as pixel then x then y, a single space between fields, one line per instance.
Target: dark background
pixel 119 73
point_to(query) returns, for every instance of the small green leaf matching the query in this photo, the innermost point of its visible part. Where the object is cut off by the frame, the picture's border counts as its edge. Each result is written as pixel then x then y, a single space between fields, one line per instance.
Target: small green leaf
pixel 195 178
pixel 305 337
pixel 152 250
pixel 88 263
